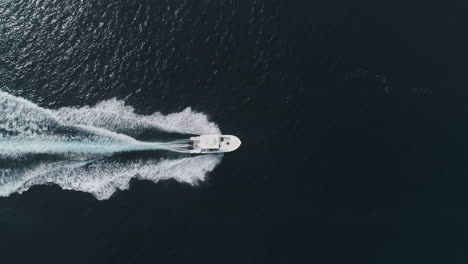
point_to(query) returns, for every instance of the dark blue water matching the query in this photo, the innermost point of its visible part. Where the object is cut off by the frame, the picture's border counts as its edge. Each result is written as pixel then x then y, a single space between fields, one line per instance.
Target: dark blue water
pixel 352 116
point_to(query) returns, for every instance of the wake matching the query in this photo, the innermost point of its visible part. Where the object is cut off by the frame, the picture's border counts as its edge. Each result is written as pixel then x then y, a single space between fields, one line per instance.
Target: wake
pixel 19 147
pixel 75 148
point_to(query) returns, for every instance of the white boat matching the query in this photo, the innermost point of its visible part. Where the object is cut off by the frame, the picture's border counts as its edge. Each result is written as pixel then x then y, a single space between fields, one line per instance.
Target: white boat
pixel 206 144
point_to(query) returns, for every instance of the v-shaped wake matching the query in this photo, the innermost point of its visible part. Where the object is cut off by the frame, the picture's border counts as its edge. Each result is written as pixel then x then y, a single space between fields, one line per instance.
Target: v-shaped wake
pixel 60 141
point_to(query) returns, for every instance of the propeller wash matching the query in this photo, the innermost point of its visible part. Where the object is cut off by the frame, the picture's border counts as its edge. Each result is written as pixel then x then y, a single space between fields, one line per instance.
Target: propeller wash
pixel 74 147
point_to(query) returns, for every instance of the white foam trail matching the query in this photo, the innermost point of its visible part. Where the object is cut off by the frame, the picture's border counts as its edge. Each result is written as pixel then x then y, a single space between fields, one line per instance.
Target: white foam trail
pixel 116 116
pixel 104 129
pixel 19 117
pixel 102 179
pixel 15 147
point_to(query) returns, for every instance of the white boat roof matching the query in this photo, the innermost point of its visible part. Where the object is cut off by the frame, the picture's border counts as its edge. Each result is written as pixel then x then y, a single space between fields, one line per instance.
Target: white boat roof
pixel 209 142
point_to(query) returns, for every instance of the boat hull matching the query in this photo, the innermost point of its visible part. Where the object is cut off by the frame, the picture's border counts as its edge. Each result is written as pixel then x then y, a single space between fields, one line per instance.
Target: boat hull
pixel 208 144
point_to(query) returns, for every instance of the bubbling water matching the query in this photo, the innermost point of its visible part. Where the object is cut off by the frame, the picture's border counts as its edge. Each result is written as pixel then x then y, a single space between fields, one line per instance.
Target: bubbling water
pixel 82 140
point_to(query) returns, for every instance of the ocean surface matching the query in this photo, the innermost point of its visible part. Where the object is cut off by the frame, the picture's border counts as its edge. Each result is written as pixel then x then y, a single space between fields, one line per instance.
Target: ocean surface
pixel 353 118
